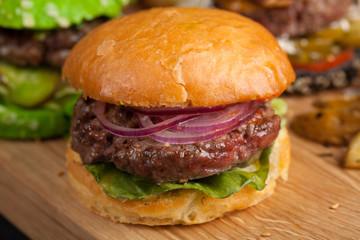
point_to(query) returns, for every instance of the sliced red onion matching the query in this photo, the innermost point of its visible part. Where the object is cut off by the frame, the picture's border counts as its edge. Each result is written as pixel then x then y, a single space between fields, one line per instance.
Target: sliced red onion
pixel 137 132
pixel 183 128
pixel 166 111
pixel 171 137
pixel 212 122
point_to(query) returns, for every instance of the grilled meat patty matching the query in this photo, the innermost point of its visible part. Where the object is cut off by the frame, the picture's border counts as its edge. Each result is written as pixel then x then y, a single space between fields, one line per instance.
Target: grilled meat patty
pixel 299 18
pixel 161 162
pixel 26 47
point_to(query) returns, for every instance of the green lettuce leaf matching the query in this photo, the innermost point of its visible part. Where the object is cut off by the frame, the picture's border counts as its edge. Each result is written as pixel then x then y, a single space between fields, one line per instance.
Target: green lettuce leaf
pixel 280 108
pixel 49 14
pixel 118 184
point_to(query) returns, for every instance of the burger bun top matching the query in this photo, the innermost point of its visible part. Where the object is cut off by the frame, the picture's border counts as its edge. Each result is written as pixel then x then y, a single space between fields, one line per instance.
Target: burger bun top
pixel 179 57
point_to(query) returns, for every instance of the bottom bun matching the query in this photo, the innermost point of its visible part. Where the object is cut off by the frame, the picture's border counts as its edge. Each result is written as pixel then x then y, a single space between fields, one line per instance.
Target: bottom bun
pixel 177 206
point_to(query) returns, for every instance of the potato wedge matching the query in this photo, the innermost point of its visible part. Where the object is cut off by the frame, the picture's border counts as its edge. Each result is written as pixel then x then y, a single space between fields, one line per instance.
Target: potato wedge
pixel 352 102
pixel 352 159
pixel 335 121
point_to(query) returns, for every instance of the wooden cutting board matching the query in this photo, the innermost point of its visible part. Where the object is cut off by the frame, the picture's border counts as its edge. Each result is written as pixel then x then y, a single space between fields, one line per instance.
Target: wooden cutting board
pixel 36 196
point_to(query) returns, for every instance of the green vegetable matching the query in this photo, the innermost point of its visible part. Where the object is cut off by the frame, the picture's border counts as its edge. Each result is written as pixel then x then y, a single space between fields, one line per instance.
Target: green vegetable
pixel 352 37
pixel 118 184
pixel 64 100
pixel 25 88
pixel 324 44
pixel 280 108
pixel 329 33
pixel 28 87
pixel 50 120
pixel 49 14
pixel 18 123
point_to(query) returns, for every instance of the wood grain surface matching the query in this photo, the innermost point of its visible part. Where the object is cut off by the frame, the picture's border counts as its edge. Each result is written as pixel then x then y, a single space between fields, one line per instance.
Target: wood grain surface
pixel 36 196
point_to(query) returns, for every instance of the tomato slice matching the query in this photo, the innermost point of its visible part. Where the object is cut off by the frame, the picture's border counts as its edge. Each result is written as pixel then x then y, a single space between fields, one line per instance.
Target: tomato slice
pixel 326 65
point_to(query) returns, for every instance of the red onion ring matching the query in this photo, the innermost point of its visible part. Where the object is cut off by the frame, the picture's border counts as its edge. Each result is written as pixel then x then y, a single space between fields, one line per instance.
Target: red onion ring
pixel 136 132
pixel 187 138
pixel 183 128
pixel 212 122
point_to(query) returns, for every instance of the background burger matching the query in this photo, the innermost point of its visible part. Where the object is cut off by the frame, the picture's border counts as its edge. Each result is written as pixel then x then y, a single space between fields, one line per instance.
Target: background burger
pixel 35 38
pixel 175 124
pixel 321 37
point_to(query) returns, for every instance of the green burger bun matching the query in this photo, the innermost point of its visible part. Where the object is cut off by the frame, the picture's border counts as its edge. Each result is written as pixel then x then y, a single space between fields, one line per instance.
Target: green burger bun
pixel 45 14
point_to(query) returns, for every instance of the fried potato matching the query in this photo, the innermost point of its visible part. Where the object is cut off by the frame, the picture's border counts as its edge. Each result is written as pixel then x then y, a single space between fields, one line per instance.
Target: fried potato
pixel 352 159
pixel 328 126
pixel 351 102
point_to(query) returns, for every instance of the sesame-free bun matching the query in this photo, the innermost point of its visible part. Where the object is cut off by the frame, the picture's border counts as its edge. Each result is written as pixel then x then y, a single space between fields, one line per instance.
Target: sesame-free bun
pixel 178 206
pixel 179 57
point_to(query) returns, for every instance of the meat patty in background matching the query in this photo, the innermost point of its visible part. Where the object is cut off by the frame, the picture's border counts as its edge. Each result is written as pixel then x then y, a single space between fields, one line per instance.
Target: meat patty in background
pixel 290 17
pixel 34 48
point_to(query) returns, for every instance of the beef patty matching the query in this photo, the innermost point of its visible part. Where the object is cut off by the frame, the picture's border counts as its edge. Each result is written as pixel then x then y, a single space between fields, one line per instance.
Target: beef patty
pixel 26 47
pixel 299 18
pixel 162 162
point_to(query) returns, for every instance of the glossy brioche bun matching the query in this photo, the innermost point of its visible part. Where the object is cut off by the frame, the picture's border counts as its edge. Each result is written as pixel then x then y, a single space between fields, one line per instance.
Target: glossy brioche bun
pixel 179 206
pixel 177 57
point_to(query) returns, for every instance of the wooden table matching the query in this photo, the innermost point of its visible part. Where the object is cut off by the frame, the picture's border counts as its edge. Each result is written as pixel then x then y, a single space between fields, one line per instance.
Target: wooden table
pixel 36 196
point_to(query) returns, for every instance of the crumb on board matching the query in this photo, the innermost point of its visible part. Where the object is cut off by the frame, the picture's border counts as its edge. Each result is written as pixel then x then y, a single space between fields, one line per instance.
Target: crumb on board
pixel 334 206
pixel 60 173
pixel 266 234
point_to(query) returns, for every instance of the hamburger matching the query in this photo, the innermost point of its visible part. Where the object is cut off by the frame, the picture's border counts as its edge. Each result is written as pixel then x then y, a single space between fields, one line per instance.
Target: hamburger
pixel 175 125
pixel 321 38
pixel 35 38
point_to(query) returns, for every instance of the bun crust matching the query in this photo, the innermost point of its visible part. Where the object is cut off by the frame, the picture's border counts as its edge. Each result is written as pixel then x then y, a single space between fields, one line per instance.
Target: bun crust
pixel 177 57
pixel 179 206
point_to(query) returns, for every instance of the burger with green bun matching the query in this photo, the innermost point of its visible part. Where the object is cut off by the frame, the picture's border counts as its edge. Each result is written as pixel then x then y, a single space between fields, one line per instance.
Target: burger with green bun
pixel 35 39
